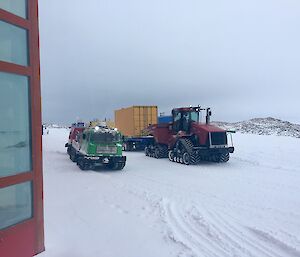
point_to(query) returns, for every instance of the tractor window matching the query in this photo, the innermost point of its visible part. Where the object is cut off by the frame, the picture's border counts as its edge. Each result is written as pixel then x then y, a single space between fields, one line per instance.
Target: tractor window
pixel 79 137
pixel 185 121
pixel 194 116
pixel 177 116
pixel 177 121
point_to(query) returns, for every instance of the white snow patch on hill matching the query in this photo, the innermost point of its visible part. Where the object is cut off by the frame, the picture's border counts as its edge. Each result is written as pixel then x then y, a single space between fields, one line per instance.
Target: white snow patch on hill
pixel 264 126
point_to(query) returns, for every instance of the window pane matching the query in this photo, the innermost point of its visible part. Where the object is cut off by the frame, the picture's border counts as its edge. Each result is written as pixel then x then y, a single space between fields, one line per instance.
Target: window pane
pixel 17 7
pixel 15 204
pixel 15 143
pixel 13 44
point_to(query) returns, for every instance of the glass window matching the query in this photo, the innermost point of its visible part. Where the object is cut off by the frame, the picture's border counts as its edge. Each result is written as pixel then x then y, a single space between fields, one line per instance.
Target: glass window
pixel 104 137
pixel 13 44
pixel 176 124
pixel 15 143
pixel 15 204
pixel 17 7
pixel 177 116
pixel 195 116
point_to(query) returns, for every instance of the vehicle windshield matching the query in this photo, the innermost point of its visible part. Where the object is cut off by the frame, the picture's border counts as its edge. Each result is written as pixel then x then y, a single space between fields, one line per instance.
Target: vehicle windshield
pixel 99 138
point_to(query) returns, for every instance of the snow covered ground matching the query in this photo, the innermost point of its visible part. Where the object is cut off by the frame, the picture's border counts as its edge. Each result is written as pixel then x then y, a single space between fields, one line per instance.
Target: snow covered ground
pixel 249 206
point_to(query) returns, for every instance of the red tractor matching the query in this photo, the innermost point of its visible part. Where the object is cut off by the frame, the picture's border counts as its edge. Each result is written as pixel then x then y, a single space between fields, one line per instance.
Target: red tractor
pixel 186 140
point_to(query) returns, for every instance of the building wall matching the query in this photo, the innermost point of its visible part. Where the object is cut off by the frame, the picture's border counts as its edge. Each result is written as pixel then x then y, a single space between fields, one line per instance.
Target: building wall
pixel 21 183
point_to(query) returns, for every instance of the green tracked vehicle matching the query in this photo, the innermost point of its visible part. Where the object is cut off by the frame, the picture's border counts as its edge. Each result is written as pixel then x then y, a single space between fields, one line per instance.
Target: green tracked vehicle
pixel 97 146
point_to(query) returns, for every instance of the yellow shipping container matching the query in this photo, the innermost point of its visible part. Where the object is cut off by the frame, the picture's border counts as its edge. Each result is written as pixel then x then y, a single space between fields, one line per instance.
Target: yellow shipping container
pixel 133 120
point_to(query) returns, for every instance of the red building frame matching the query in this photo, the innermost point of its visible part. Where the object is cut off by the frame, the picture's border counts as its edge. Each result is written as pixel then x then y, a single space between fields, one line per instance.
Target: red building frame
pixel 26 239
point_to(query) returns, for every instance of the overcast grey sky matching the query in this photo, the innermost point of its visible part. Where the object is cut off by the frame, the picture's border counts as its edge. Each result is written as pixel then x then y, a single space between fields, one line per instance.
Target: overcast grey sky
pixel 242 58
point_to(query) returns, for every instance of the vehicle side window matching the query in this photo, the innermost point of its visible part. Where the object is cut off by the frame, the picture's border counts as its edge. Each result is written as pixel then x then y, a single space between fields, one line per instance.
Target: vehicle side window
pixel 194 116
pixel 78 137
pixel 176 124
pixel 185 121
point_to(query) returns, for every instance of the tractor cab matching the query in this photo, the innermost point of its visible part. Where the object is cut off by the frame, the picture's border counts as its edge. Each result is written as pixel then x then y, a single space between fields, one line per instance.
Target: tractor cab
pixel 184 117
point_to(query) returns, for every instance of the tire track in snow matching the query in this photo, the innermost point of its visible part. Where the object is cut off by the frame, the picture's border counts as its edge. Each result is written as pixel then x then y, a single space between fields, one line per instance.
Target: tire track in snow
pixel 233 240
pixel 206 234
pixel 226 241
pixel 254 244
pixel 251 246
pixel 201 234
pixel 182 235
pixel 230 236
pixel 275 242
pixel 256 164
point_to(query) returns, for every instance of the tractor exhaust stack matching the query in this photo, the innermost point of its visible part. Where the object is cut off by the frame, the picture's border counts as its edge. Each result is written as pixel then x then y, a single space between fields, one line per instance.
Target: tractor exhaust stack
pixel 208 114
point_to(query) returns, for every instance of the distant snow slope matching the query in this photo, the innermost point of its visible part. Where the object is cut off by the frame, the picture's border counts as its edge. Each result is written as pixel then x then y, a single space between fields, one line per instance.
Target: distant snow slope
pixel 264 126
pixel 249 206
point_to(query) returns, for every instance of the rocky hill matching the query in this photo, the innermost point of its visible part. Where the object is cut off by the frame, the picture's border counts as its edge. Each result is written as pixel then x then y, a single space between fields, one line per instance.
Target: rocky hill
pixel 263 126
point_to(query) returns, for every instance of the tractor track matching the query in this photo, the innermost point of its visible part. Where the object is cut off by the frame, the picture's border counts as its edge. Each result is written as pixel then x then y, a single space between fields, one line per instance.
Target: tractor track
pixel 207 233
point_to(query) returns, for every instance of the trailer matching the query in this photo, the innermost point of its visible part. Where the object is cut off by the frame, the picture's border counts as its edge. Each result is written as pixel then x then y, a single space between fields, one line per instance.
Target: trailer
pixel 164 119
pixel 136 143
pixel 132 122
